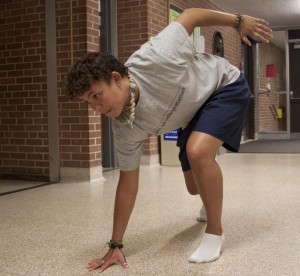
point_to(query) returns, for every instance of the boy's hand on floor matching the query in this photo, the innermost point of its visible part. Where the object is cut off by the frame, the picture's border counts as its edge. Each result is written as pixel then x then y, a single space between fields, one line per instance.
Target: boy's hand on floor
pixel 113 256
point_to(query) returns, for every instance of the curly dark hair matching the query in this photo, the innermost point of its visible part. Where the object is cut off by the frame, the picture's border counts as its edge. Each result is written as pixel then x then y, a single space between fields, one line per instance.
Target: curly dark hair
pixel 95 66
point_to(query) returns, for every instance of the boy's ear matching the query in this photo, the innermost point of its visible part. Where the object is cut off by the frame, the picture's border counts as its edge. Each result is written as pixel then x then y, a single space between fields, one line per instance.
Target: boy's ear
pixel 116 76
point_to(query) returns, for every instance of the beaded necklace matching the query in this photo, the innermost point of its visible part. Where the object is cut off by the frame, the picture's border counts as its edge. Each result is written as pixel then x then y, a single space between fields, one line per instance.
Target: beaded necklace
pixel 128 114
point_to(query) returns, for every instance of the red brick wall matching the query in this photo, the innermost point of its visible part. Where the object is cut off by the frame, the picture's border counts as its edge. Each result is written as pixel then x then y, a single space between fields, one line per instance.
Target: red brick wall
pixel 24 151
pixel 158 15
pixel 132 26
pixel 23 91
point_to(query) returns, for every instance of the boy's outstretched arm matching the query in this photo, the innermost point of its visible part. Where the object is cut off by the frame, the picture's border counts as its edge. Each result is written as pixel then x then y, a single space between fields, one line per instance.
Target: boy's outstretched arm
pixel 196 17
pixel 124 203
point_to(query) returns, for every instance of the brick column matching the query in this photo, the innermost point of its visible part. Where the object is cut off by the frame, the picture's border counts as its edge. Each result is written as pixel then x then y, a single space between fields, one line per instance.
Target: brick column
pixel 80 127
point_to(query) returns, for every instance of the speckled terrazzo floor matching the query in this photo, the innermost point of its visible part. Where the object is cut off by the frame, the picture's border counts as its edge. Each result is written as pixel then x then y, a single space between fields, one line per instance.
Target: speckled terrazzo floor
pixel 57 229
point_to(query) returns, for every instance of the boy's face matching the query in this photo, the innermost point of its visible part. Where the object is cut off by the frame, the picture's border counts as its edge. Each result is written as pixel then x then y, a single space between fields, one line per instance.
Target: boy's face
pixel 107 99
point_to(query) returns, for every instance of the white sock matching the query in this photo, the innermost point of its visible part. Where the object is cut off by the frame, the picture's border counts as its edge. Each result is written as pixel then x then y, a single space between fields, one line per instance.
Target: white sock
pixel 209 249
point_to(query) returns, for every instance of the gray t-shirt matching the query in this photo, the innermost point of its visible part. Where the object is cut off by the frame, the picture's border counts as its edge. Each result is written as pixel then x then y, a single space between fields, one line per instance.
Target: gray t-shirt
pixel 174 82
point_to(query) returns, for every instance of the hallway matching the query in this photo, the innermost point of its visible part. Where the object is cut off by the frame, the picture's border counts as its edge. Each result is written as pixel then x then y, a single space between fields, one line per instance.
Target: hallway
pixel 55 230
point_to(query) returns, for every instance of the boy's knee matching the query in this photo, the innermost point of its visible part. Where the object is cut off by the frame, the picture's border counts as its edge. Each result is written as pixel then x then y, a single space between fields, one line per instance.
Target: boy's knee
pixel 201 149
pixel 196 156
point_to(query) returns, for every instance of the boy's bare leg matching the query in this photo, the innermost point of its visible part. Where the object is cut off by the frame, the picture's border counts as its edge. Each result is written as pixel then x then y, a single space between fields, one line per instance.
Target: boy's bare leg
pixel 201 151
pixel 193 190
pixel 190 183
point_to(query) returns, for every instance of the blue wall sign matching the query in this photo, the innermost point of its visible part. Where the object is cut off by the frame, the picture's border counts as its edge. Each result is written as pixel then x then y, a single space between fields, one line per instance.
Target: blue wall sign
pixel 171 136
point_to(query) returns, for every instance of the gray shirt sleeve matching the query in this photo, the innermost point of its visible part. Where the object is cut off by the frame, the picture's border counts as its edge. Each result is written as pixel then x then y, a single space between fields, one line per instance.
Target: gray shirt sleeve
pixel 174 44
pixel 129 146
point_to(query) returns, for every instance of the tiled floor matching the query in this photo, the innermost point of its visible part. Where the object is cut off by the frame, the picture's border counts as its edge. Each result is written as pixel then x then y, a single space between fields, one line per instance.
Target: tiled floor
pixel 57 229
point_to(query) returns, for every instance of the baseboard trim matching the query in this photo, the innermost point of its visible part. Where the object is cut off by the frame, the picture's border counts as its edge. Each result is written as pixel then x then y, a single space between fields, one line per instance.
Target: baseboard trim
pixel 81 174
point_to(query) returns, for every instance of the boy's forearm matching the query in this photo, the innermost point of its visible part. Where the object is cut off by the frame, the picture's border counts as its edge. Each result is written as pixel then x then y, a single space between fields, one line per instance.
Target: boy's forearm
pixel 124 202
pixel 245 25
pixel 205 17
pixel 196 17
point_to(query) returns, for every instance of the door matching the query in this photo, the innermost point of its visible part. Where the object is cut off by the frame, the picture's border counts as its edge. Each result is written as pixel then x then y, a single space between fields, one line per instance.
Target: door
pixel 108 38
pixel 249 130
pixel 294 74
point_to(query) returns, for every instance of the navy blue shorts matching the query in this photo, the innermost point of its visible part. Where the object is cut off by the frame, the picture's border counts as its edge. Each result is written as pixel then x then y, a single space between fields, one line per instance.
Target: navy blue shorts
pixel 221 116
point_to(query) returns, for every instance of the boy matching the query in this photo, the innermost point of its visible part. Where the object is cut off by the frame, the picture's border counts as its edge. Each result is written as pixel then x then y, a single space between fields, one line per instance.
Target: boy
pixel 163 86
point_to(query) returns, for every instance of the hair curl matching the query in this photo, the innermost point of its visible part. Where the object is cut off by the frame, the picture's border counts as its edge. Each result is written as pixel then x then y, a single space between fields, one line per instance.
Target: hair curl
pixel 95 66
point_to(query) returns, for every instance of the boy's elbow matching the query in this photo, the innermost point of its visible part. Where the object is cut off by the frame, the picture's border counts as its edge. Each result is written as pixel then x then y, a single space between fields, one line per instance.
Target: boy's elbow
pixel 188 18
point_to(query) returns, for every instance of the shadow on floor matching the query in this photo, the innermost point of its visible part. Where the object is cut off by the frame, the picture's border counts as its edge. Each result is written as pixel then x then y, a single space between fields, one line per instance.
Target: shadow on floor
pixel 14 186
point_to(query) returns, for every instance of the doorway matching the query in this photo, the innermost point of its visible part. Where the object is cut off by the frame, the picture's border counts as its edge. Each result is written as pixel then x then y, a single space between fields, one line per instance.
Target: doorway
pixel 294 82
pixel 248 69
pixel 272 106
pixel 108 40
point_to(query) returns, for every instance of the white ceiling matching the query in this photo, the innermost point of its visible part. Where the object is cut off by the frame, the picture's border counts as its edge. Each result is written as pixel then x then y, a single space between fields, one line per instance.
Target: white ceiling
pixel 281 14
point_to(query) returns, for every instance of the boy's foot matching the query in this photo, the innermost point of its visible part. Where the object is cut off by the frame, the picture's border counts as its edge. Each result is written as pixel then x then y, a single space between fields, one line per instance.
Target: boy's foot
pixel 202 215
pixel 209 249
